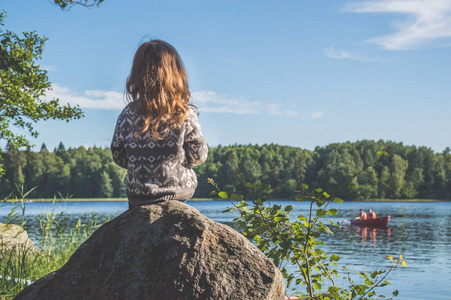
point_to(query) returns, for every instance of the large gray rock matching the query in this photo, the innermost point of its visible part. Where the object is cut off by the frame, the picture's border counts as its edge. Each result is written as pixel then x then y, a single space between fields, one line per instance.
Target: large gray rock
pixel 163 251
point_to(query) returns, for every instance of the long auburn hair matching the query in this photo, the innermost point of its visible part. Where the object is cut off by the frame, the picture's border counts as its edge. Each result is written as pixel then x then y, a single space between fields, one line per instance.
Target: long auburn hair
pixel 159 88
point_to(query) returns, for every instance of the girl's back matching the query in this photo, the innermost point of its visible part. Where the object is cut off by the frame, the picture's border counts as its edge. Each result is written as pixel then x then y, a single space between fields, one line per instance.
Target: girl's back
pixel 158 138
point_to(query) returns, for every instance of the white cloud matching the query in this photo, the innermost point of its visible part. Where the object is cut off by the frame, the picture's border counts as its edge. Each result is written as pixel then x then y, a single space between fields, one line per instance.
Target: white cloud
pixel 315 115
pixel 95 99
pixel 340 54
pixel 274 110
pixel 209 101
pixel 429 21
pixel 49 68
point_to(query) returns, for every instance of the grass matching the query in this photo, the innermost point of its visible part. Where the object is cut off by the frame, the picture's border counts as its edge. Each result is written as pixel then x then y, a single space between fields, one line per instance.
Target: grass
pixel 70 200
pixel 55 243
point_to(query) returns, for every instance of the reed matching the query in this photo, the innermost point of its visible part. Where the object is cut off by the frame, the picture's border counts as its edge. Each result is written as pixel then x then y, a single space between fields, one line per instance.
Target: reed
pixel 55 238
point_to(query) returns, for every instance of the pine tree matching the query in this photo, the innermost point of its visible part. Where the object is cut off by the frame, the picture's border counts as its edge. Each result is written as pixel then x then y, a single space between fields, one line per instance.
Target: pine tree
pixel 44 148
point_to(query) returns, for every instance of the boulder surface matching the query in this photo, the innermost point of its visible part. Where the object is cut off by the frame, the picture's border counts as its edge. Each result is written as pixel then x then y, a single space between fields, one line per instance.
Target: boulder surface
pixel 15 238
pixel 163 251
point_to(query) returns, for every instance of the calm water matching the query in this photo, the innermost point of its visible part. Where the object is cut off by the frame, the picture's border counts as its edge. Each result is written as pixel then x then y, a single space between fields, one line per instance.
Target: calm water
pixel 421 232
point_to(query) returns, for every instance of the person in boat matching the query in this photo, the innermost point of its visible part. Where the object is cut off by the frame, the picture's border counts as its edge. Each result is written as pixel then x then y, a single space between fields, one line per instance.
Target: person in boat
pixel 371 214
pixel 362 215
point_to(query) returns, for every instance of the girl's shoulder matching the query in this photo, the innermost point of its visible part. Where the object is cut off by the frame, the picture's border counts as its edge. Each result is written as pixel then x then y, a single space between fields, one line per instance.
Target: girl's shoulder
pixel 191 119
pixel 130 105
pixel 193 114
pixel 128 109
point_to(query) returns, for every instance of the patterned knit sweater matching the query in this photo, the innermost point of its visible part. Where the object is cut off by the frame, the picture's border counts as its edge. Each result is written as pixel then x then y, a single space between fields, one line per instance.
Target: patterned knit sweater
pixel 158 169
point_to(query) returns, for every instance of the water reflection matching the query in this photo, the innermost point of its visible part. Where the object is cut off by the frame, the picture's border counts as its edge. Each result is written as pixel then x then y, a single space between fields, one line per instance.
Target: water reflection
pixel 366 234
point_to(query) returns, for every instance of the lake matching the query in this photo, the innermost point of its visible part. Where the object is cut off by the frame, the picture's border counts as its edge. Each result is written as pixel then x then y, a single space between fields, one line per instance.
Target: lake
pixel 421 232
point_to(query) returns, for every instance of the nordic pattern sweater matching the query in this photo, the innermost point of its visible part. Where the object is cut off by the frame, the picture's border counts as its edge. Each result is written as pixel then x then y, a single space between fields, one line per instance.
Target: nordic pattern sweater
pixel 158 169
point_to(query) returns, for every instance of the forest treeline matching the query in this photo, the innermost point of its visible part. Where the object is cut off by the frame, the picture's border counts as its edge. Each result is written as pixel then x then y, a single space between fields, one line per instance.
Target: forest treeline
pixel 409 172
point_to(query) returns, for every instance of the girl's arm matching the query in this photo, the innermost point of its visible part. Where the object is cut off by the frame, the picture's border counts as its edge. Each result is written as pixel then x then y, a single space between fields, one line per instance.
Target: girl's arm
pixel 117 145
pixel 195 146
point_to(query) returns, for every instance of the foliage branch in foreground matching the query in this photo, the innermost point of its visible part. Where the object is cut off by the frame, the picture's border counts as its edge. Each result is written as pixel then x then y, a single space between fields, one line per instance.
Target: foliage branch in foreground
pixel 297 242
pixel 68 4
pixel 23 85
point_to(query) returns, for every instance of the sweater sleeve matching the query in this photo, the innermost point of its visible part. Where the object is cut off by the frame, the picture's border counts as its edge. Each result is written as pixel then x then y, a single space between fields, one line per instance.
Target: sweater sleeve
pixel 117 144
pixel 195 145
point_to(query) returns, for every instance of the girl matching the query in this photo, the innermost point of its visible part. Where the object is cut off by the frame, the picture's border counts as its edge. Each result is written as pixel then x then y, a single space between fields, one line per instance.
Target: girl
pixel 157 137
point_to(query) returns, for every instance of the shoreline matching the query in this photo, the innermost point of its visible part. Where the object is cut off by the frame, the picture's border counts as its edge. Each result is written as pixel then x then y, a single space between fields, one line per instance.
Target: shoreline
pixel 400 200
pixel 208 199
pixel 31 200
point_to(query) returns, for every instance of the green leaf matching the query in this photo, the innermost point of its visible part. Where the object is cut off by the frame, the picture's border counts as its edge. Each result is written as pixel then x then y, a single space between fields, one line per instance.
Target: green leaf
pixel 320 213
pixel 332 222
pixel 299 197
pixel 382 153
pixel 334 257
pixel 320 203
pixel 338 200
pixel 333 291
pixel 289 208
pixel 236 197
pixel 361 288
pixel 257 239
pixel 332 212
pixel 328 231
pixel 395 293
pixel 249 185
pixel 305 186
pixel 223 195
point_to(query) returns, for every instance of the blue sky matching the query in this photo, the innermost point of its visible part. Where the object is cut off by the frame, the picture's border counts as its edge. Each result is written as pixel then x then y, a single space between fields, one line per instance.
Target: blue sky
pixel 298 73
